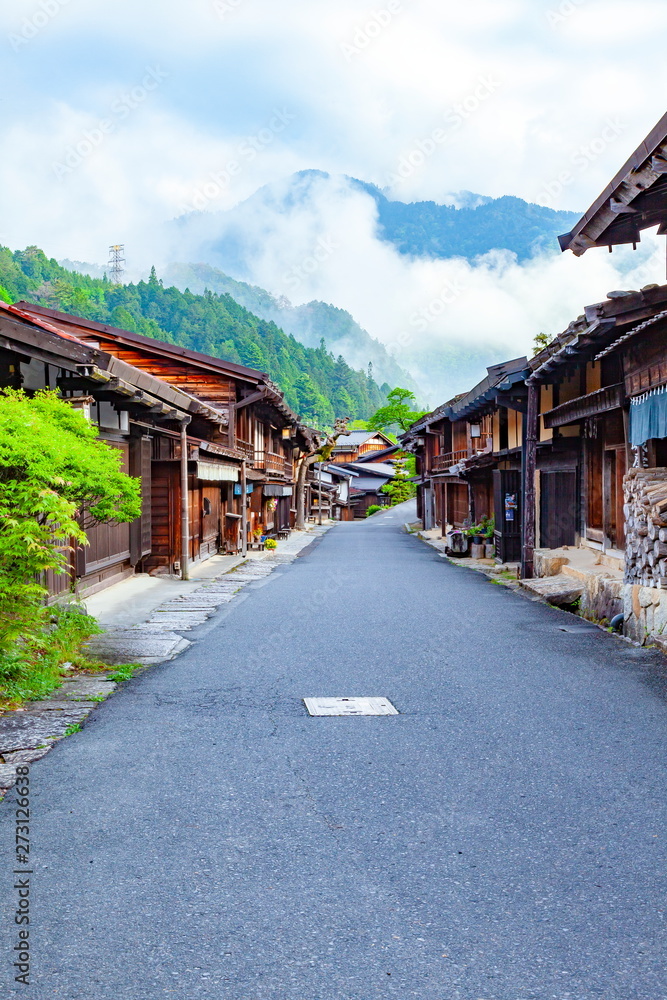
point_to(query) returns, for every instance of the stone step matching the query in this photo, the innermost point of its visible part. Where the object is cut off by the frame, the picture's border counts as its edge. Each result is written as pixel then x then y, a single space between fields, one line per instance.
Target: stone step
pixel 560 589
pixel 660 641
pixel 586 573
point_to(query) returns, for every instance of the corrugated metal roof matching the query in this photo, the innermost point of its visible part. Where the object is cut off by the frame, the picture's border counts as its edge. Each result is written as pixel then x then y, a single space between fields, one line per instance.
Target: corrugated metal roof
pixel 379 469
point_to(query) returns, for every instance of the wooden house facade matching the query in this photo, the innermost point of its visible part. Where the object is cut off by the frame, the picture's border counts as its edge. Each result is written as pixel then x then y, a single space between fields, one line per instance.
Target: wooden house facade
pixel 361 445
pixel 213 443
pixel 569 450
pixel 578 435
pixel 469 457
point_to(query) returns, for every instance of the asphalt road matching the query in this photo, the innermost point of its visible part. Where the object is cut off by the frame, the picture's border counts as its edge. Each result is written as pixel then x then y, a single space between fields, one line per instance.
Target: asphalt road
pixel 503 838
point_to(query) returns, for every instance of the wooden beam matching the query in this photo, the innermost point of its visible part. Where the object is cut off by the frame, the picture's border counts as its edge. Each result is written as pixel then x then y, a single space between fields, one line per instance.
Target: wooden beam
pixel 254 397
pixel 60 349
pixel 512 402
pixel 529 470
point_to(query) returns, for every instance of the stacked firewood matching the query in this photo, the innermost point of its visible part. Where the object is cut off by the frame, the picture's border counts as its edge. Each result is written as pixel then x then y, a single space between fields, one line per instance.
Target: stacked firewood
pixel 645 512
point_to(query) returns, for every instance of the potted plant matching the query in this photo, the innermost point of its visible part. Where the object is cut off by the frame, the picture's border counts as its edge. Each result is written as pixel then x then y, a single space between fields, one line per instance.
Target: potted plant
pixel 475 534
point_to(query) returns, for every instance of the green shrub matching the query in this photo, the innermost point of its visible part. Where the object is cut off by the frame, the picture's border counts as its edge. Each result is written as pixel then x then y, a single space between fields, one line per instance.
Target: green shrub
pixel 55 475
pixel 33 668
pixel 373 509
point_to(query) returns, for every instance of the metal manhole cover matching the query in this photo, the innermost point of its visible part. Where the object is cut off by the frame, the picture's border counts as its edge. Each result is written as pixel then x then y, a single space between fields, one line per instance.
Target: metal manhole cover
pixel 349 706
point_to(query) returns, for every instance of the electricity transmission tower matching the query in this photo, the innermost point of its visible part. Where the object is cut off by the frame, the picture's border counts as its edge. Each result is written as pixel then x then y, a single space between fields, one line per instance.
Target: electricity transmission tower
pixel 116 261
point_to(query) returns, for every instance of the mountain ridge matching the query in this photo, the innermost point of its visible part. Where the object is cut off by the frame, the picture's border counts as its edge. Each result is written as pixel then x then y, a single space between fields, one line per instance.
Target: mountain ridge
pixel 317 385
pixel 308 323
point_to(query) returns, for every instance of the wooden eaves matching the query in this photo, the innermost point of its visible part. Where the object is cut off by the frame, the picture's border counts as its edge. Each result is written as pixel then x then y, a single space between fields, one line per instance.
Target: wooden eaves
pixel 590 335
pixel 636 199
pixel 505 378
pixel 137 339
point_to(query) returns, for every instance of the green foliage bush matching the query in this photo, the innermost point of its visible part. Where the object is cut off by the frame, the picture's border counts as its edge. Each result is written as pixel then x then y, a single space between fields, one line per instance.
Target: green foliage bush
pixel 373 509
pixel 397 413
pixel 54 475
pixel 485 529
pixel 32 668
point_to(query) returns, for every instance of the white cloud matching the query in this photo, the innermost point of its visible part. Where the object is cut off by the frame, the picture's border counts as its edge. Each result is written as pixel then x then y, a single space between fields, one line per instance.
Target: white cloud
pixel 542 132
pixel 325 247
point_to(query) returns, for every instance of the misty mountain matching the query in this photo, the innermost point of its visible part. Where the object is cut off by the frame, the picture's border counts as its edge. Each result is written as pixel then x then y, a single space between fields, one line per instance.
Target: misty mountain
pixel 308 323
pixel 473 226
pixel 296 237
pixel 470 226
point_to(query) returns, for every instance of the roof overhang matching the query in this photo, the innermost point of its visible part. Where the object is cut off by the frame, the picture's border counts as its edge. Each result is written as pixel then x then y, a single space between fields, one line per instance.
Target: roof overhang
pixel 603 327
pixel 636 199
pixel 485 396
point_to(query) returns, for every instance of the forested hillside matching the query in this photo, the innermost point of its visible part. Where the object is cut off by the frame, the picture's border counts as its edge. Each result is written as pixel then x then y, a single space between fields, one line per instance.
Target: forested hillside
pixel 308 323
pixel 427 229
pixel 316 384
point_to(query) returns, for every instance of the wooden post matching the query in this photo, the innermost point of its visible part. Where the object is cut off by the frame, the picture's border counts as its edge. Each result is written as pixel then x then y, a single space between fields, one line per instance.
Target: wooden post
pixel 185 509
pixel 244 511
pixel 529 468
pixel 319 500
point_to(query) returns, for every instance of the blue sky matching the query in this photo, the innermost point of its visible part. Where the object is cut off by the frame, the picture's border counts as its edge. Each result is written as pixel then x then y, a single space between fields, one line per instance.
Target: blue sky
pixel 117 115
pixel 366 85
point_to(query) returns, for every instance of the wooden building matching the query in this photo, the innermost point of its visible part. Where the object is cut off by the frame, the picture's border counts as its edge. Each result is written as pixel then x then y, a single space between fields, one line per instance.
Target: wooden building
pixel 362 445
pixel 572 444
pixel 469 457
pixel 366 490
pixel 334 483
pixel 35 355
pixel 616 356
pixel 202 434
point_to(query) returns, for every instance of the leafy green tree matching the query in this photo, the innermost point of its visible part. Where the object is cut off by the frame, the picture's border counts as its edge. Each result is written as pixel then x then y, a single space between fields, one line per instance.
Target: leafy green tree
pixel 254 357
pixel 54 472
pixel 401 487
pixel 397 413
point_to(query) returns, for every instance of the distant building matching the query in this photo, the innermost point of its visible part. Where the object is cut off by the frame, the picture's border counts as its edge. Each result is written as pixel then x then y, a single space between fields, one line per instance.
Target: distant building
pixel 357 445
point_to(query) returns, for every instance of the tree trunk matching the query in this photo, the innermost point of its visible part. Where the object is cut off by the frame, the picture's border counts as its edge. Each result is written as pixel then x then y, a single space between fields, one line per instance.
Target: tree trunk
pixel 304 465
pixel 322 453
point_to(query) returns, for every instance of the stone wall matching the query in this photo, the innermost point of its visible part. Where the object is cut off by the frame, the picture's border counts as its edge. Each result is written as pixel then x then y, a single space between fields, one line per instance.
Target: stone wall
pixel 645 513
pixel 645 590
pixel 645 612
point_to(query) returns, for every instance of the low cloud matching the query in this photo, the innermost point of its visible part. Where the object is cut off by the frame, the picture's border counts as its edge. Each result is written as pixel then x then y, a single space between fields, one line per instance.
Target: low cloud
pixel 444 320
